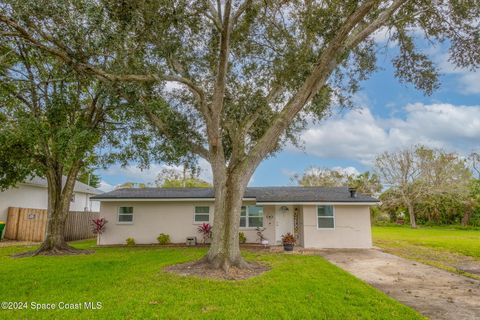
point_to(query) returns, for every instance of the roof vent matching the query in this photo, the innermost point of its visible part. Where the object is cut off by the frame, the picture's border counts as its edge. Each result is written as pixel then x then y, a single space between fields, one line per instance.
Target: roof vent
pixel 353 192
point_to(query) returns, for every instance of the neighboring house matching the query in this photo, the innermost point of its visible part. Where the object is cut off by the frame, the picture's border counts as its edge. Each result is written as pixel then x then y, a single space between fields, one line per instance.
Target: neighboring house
pixel 318 217
pixel 33 194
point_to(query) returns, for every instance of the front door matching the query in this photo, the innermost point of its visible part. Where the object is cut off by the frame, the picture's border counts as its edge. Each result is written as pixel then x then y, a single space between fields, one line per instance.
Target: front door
pixel 283 222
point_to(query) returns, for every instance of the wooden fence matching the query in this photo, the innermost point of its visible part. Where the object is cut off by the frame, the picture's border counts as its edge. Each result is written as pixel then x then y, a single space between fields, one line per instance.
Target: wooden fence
pixel 28 224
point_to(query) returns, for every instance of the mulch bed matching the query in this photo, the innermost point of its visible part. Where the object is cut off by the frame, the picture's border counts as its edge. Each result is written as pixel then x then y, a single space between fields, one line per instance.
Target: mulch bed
pixel 204 270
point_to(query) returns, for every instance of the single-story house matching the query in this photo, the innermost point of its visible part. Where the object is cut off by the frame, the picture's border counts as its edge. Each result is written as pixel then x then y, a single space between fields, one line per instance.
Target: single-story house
pixel 32 193
pixel 319 217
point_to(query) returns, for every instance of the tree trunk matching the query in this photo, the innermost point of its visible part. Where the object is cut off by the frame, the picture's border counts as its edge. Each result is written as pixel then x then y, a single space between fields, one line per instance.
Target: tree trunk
pixel 467 213
pixel 224 251
pixel 58 205
pixel 411 213
pixel 59 197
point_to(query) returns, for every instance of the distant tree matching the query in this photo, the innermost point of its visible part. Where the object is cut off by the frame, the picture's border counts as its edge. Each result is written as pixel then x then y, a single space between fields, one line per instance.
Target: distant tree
pixel 187 177
pixel 87 176
pixel 474 216
pixel 129 184
pixel 247 75
pixel 323 177
pixel 474 162
pixel 366 182
pixel 187 183
pixel 418 173
pixel 401 171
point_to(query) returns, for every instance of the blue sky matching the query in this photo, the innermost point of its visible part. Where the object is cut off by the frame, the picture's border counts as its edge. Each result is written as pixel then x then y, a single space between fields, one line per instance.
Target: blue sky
pixel 388 115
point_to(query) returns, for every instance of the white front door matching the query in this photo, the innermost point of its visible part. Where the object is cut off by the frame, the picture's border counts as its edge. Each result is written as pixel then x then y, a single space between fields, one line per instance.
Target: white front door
pixel 283 222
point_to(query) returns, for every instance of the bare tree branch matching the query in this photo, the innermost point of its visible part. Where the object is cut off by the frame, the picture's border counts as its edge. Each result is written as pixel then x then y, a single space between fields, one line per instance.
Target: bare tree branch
pixel 325 65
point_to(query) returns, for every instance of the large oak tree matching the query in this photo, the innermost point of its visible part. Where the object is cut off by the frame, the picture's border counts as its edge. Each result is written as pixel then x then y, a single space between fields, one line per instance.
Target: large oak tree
pixel 238 79
pixel 51 122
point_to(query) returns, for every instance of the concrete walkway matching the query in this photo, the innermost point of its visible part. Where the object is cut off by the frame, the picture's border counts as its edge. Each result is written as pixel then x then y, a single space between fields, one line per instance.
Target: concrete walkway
pixel 433 292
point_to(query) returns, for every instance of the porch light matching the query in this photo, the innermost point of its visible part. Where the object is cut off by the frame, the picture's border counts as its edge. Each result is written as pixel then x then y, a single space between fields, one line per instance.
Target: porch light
pixel 284 209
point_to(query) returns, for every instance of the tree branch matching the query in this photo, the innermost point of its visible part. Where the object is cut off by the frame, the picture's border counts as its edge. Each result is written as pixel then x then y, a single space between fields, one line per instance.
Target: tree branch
pixel 326 63
pixel 163 128
pixel 101 74
pixel 220 80
pixel 362 33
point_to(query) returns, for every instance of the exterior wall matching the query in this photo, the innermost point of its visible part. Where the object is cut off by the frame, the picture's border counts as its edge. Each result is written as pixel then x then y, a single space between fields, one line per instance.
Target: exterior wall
pixel 352 224
pixel 268 224
pixel 173 218
pixel 352 228
pixel 82 201
pixel 24 196
pixel 27 196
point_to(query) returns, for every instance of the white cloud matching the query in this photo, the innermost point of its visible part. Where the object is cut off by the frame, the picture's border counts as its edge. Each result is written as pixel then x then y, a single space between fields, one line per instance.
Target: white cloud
pixel 133 173
pixel 358 135
pixel 469 81
pixel 105 186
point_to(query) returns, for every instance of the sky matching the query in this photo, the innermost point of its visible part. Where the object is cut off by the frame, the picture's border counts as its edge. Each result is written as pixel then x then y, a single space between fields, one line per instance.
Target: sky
pixel 387 116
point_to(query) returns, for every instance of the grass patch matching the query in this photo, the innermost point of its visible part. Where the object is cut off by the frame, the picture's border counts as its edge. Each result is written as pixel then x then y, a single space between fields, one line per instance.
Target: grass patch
pixel 130 283
pixel 447 248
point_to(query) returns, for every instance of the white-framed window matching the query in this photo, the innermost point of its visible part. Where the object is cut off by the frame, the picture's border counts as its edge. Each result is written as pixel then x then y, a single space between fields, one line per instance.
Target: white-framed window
pixel 251 217
pixel 125 215
pixel 202 214
pixel 325 217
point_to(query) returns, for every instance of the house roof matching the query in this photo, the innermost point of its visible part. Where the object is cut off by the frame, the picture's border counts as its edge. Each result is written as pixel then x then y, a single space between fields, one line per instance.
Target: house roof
pixel 260 194
pixel 79 186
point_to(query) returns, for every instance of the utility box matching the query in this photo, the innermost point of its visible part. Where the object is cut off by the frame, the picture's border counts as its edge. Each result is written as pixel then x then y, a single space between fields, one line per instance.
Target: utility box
pixel 191 241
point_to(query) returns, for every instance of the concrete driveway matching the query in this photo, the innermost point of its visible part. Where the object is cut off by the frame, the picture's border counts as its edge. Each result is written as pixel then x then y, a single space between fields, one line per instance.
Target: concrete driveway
pixel 433 292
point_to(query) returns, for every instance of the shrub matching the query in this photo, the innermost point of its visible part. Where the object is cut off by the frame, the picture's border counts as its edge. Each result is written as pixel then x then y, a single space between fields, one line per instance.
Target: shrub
pixel 163 238
pixel 241 237
pixel 130 241
pixel 288 239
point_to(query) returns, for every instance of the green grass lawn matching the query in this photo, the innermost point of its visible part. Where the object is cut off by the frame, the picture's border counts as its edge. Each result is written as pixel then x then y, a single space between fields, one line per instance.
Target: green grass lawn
pixel 444 247
pixel 130 283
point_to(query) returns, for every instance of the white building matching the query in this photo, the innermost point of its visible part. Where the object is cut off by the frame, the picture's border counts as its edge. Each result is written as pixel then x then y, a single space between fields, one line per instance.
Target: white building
pixel 33 194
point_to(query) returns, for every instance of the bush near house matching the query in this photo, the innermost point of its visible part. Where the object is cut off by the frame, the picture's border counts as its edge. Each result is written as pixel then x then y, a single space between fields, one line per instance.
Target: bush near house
pixel 163 238
pixel 241 237
pixel 130 241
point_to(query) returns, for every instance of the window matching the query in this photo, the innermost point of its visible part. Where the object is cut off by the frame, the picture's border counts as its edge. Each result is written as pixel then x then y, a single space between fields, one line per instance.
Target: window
pixel 251 217
pixel 325 217
pixel 202 214
pixel 125 215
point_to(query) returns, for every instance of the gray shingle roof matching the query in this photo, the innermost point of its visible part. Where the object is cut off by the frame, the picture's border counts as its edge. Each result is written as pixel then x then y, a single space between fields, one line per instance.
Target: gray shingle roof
pixel 261 194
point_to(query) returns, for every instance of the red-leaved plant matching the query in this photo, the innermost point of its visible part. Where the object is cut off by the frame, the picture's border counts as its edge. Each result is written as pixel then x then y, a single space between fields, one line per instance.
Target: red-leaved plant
pixel 98 227
pixel 205 229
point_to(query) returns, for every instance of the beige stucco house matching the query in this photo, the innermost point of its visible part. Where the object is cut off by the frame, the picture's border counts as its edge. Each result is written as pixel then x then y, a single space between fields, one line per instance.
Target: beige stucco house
pixel 318 217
